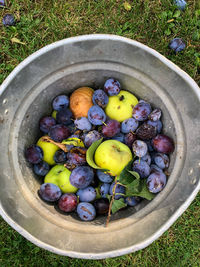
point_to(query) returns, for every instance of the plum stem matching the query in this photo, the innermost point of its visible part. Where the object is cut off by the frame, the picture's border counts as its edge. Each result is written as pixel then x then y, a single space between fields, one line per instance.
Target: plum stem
pixel 104 123
pixel 49 140
pixel 111 202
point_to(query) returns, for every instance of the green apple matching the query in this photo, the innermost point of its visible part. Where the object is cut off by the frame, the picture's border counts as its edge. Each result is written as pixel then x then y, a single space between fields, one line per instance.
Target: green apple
pixel 113 156
pixel 59 175
pixel 120 107
pixel 48 150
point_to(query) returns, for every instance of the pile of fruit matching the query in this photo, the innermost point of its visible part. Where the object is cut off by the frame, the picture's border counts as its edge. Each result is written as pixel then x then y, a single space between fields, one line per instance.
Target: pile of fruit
pixel 100 151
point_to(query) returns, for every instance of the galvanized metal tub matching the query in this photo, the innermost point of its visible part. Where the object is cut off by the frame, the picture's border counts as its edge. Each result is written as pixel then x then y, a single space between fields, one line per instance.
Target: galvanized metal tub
pixel 88 60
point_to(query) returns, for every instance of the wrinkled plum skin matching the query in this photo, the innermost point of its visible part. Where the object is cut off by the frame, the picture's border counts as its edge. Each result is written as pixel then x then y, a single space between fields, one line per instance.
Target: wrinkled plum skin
pixel 156 182
pixel 87 194
pixel 139 148
pixel 101 205
pixel 59 132
pixel 60 102
pixel 34 154
pixel 60 156
pixel 163 144
pixel 83 124
pixel 112 87
pixel 46 123
pixel 68 202
pixel 81 176
pixel 41 168
pixel 100 98
pixel 111 128
pixel 49 192
pixel 155 115
pixel 76 157
pixel 86 211
pixel 161 160
pixel 146 131
pixel 96 115
pixel 157 124
pixel 141 111
pixel 119 189
pixel 141 167
pixel 129 139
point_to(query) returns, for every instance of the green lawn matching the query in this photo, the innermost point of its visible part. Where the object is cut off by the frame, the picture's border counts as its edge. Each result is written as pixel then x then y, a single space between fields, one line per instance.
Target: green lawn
pixel 153 23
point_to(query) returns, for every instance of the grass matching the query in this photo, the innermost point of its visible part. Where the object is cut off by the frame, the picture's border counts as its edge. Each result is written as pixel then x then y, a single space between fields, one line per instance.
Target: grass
pixel 153 23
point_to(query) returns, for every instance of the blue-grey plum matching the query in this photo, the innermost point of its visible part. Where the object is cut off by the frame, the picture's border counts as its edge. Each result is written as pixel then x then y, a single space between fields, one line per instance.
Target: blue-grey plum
pixel 142 168
pixel 86 211
pixel 119 190
pixel 104 177
pixel 49 192
pixel 129 125
pixel 81 176
pixel 41 168
pixel 156 182
pixel 87 194
pixel 161 160
pixel 177 45
pixel 82 123
pixel 104 189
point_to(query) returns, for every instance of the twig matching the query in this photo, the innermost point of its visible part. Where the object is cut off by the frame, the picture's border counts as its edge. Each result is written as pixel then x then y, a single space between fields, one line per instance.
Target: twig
pixel 111 202
pixel 49 140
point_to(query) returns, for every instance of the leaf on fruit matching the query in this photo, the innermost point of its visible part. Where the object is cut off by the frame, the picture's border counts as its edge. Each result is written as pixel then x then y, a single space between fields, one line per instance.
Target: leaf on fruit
pixel 125 176
pixel 90 155
pixel 143 190
pixel 117 205
pixel 135 174
pixel 127 6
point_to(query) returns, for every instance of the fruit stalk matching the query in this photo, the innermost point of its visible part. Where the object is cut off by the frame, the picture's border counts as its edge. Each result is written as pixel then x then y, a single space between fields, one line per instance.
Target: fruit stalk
pixel 49 140
pixel 111 202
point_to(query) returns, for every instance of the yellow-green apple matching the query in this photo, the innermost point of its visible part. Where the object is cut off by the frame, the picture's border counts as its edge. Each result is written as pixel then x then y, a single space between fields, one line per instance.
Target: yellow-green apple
pixel 113 156
pixel 120 107
pixel 59 175
pixel 49 150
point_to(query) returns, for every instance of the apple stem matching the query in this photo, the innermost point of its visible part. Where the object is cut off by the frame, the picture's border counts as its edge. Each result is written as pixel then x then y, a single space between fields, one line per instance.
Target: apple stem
pixel 111 202
pixel 49 140
pixel 104 123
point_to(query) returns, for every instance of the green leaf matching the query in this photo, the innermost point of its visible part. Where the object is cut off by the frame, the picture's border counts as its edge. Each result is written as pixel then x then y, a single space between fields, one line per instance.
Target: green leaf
pixel 117 205
pixel 133 188
pixel 168 31
pixel 125 176
pixel 135 174
pixel 177 14
pixel 143 191
pixel 90 155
